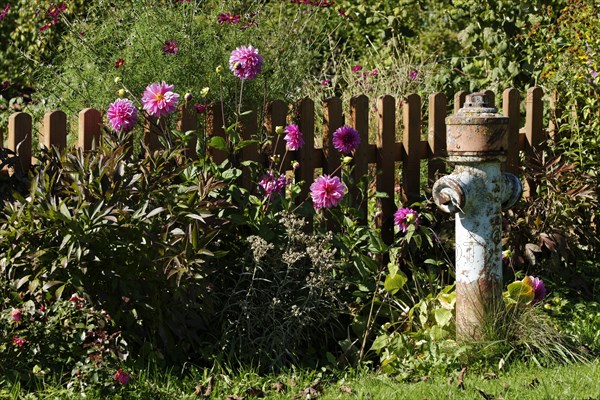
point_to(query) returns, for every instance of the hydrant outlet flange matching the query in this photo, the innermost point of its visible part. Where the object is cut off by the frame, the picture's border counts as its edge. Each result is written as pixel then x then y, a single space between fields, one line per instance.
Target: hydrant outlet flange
pixel 448 194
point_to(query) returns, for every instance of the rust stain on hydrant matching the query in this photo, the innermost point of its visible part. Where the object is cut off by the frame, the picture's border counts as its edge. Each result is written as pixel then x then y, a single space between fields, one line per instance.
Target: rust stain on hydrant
pixel 477 191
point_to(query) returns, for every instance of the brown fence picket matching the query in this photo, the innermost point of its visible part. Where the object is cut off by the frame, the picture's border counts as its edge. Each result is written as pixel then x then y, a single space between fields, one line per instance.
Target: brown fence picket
pixel 188 122
pixel 385 179
pixel 90 127
pixel 306 155
pixel 511 109
pixel 333 118
pixel 19 138
pixel 411 148
pixel 277 116
pixel 359 119
pixel 491 97
pixel 152 131
pixel 534 119
pixel 248 128
pixel 54 130
pixel 436 137
pixel 215 127
pixel 459 100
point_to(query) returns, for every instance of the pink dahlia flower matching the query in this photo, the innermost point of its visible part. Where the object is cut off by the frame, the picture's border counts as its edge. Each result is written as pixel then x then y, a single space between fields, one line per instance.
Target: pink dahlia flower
pixel 272 185
pixel 159 99
pixel 121 377
pixel 122 115
pixel 539 289
pixel 327 191
pixel 346 139
pixel 293 137
pixel 245 62
pixel 405 217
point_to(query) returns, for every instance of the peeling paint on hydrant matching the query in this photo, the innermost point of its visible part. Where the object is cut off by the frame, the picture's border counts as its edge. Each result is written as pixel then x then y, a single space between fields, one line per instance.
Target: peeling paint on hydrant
pixel 477 191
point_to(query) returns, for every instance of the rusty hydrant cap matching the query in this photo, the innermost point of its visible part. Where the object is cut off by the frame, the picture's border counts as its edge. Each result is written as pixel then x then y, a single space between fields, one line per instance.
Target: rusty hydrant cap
pixel 476 132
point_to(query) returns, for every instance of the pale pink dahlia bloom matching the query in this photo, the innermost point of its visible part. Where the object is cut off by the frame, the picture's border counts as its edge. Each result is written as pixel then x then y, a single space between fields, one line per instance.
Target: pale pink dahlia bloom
pixel 327 191
pixel 405 217
pixel 346 139
pixel 293 137
pixel 245 62
pixel 159 99
pixel 122 115
pixel 538 288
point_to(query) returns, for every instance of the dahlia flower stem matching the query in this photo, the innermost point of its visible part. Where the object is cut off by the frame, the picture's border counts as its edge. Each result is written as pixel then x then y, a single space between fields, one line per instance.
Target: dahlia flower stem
pixel 282 158
pixel 223 108
pixel 370 318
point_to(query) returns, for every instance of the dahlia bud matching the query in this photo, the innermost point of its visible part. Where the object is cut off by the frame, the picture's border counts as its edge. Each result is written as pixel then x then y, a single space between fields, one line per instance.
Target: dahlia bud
pixel 204 92
pixel 295 165
pixel 218 70
pixel 118 80
pixel 121 93
pixel 346 160
pixel 279 130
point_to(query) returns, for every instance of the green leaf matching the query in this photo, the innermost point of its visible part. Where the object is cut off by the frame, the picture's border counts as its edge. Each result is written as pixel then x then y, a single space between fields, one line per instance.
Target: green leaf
pixel 231 173
pixel 157 210
pixel 442 316
pixel 395 280
pixel 520 292
pixel 219 143
pixel 438 333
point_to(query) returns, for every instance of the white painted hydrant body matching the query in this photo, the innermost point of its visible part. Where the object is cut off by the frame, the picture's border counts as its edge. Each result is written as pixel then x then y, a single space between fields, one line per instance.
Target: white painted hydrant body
pixel 477 191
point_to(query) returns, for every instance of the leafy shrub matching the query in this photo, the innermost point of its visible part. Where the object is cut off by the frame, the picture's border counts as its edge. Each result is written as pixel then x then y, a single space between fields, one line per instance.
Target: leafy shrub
pixel 132 236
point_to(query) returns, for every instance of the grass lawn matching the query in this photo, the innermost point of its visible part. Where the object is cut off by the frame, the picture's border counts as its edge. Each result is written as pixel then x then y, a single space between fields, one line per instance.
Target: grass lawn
pixel 579 381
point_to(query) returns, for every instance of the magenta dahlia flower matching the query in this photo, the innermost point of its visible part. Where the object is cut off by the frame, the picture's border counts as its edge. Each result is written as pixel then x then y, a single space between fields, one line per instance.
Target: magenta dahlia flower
pixel 227 18
pixel 346 139
pixel 171 47
pixel 272 185
pixel 245 62
pixel 159 99
pixel 327 191
pixel 122 115
pixel 405 217
pixel 538 288
pixel 293 137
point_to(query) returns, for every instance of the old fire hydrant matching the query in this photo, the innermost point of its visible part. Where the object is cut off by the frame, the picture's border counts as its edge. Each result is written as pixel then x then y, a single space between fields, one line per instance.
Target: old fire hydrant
pixel 477 191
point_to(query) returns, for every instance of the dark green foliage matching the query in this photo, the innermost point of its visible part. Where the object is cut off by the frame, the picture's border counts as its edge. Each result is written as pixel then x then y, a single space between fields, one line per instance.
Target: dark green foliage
pixel 132 236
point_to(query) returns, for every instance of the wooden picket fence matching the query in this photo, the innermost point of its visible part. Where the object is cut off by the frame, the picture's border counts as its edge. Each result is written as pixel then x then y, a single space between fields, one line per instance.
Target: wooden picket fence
pixel 382 155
